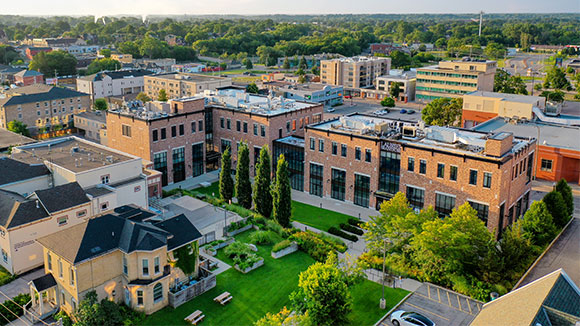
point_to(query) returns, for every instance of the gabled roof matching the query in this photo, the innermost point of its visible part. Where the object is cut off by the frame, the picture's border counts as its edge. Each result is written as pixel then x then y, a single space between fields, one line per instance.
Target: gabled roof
pixel 28 73
pixel 15 171
pixel 110 232
pixel 54 93
pixel 44 282
pixel 553 294
pixel 62 197
pixel 117 74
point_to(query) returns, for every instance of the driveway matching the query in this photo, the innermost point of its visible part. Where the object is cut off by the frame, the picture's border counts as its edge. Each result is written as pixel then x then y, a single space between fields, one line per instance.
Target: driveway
pixel 19 285
pixel 442 306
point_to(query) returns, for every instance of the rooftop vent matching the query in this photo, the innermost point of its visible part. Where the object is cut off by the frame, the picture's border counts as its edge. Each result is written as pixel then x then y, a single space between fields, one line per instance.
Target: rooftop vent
pixel 95 249
pixel 110 159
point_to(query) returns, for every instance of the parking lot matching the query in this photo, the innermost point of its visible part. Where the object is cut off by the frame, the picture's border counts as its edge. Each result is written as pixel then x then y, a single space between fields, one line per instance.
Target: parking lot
pixel 442 306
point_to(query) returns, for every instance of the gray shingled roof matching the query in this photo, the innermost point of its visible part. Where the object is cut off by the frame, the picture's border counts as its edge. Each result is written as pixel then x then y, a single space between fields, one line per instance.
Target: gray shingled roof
pixel 62 197
pixel 53 94
pixel 14 171
pixel 118 74
pixel 15 210
pixel 44 282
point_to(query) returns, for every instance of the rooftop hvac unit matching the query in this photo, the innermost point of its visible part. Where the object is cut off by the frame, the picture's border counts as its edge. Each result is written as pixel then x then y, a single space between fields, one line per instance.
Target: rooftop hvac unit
pixel 409 131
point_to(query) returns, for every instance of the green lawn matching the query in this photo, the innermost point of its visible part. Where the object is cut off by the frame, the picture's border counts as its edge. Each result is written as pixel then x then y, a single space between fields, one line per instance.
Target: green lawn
pixel 266 289
pixel 317 217
pixel 214 188
pixel 5 276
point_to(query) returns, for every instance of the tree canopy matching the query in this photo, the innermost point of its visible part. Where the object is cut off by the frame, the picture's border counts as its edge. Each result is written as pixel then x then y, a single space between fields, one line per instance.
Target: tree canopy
pixel 505 83
pixel 443 112
pixel 61 62
pixel 103 64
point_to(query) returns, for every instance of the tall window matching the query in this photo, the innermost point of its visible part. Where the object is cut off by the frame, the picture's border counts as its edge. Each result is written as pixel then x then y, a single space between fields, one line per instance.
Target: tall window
pixel 361 190
pixel 486 179
pixel 229 124
pixel 245 127
pixel 156 265
pixel 411 164
pixel 173 131
pixel 334 148
pixel 416 197
pixel 193 125
pixel 368 155
pixel 482 210
pixel 453 173
pixel 338 184
pixel 145 266
pixel 321 145
pixel 225 144
pixel 255 129
pixel 139 297
pixel 178 164
pixel 197 159
pixel 316 179
pixel 238 126
pixel 126 130
pixel 422 166
pixel 343 150
pixel 473 177
pixel 125 266
pixel 72 277
pixel 160 164
pixel 181 130
pixel 389 172
pixel 440 170
pixel 60 272
pixel 263 131
pixel 530 167
pixel 49 261
pixel 444 204
pixel 357 153
pixel 163 133
pixel 155 135
pixel 312 143
pixel 222 123
pixel 200 125
pixel 158 292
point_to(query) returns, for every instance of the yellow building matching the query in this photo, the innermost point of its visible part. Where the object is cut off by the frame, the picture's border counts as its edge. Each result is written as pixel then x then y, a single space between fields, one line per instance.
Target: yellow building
pixel 355 72
pixel 123 257
pixel 454 78
pixel 178 85
pixel 122 58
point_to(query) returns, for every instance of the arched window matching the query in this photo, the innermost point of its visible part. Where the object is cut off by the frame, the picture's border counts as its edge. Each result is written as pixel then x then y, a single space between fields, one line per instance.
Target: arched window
pixel 158 292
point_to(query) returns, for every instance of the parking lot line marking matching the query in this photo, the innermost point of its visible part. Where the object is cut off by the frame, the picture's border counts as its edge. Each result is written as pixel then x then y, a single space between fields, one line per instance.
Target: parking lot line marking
pixel 438 295
pixel 459 303
pixel 448 299
pixel 414 306
pixel 429 291
pixel 468 306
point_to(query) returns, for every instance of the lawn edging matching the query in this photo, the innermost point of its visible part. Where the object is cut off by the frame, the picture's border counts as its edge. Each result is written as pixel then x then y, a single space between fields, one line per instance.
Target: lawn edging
pixel 286 251
pixel 393 309
pixel 256 265
pixel 542 255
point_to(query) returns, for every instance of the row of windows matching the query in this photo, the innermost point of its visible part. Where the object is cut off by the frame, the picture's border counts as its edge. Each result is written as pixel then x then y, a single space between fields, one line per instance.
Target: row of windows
pixel 162 133
pixel 446 82
pixel 441 90
pixel 343 149
pixel 55 102
pixel 473 174
pixel 60 269
pixel 444 74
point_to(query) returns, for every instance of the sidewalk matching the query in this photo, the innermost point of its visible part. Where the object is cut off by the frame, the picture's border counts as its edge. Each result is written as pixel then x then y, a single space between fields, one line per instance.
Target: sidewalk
pixel 19 285
pixel 334 205
pixel 193 183
pixel 222 267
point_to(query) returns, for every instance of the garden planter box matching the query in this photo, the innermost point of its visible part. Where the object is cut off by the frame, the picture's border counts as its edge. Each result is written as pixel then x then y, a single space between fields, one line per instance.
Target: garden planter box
pixel 238 231
pixel 251 268
pixel 286 251
pixel 224 244
pixel 210 251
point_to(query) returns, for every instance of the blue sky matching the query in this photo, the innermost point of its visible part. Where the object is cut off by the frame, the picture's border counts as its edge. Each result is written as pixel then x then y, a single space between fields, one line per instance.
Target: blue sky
pixel 141 7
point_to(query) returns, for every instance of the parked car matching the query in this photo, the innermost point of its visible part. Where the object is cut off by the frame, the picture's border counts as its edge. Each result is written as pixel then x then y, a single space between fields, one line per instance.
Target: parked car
pixel 403 111
pixel 409 318
pixel 330 110
pixel 347 96
pixel 381 112
pixel 410 111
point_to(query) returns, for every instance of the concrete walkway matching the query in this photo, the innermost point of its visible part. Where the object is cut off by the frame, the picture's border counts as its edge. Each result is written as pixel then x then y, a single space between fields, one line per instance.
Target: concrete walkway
pixel 334 205
pixel 19 285
pixel 193 183
pixel 222 267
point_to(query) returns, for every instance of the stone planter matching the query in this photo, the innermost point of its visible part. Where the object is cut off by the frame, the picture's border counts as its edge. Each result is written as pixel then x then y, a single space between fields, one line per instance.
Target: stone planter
pixel 251 268
pixel 238 231
pixel 286 251
pixel 224 244
pixel 210 251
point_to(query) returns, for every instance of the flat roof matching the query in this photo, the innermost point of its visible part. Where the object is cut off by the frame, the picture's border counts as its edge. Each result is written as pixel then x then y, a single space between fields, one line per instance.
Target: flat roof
pixel 308 86
pixel 291 140
pixel 9 138
pixel 361 58
pixel 553 135
pixel 508 97
pixel 187 77
pixel 356 122
pixel 93 115
pixel 72 153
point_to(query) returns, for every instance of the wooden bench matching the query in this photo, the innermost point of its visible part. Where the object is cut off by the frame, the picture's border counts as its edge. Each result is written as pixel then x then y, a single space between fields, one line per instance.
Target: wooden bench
pixel 223 298
pixel 195 317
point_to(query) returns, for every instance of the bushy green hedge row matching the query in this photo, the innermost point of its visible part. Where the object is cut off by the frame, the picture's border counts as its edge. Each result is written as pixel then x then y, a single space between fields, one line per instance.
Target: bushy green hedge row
pixel 351 229
pixel 336 231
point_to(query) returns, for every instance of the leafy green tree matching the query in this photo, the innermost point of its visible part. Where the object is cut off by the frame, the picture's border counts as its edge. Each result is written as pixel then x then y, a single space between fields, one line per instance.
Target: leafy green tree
pixel 400 59
pixel 162 96
pixel 443 112
pixel 18 127
pixel 303 64
pixel 515 249
pixel 556 78
pixel 129 47
pixel 248 63
pixel 563 188
pixel 105 53
pixel 302 79
pixel 284 317
pixel 8 54
pixel 553 96
pixel 101 104
pixel 103 64
pixel 505 83
pixel 286 64
pixel 494 50
pixel 557 207
pixel 243 184
pixel 47 63
pixel 282 194
pixel 315 70
pixel 226 184
pixel 262 194
pixel 252 88
pixel 538 225
pixel 323 294
pixel 300 72
pixel 153 48
pixel 395 89
pixel 388 102
pixel 143 97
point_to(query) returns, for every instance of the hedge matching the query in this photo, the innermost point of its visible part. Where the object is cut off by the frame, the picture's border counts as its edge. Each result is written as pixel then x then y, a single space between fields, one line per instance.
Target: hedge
pixel 351 229
pixel 355 222
pixel 20 300
pixel 334 230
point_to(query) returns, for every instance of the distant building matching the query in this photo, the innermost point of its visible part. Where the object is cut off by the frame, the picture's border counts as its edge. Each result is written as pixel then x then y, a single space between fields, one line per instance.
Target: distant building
pixel 407 80
pixel 355 72
pixel 90 125
pixel 122 58
pixel 76 50
pixel 7 73
pixel 188 67
pixel 28 77
pixel 53 42
pixel 178 85
pixel 387 48
pixel 455 78
pixel 158 66
pixel 42 106
pixel 328 95
pixel 551 300
pixel 480 106
pixel 113 83
pixel 32 51
pixel 174 40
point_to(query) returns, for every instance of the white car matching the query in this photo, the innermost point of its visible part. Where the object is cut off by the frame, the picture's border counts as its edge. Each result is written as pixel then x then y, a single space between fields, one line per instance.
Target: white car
pixel 409 318
pixel 330 110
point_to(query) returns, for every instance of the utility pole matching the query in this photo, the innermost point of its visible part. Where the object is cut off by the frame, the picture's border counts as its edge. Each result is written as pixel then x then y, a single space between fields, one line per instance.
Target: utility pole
pixel 480 21
pixel 56 77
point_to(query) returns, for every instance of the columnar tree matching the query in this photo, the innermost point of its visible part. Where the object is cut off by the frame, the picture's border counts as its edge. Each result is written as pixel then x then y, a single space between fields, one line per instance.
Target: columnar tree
pixel 557 207
pixel 286 64
pixel 563 188
pixel 226 182
pixel 282 194
pixel 538 225
pixel 243 184
pixel 262 195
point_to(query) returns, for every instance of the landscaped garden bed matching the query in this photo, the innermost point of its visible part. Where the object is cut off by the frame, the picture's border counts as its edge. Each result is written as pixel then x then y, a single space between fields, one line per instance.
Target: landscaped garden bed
pixel 283 248
pixel 243 257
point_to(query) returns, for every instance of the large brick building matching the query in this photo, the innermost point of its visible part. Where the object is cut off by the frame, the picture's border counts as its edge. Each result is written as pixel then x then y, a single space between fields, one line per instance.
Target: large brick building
pixel 171 135
pixel 177 84
pixel 366 160
pixel 355 72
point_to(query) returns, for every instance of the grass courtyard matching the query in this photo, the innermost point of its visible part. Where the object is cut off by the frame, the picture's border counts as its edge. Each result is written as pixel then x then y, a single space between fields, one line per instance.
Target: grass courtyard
pixel 266 289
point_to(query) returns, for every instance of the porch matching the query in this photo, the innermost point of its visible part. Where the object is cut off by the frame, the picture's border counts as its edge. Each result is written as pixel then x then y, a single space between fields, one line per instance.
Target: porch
pixel 44 299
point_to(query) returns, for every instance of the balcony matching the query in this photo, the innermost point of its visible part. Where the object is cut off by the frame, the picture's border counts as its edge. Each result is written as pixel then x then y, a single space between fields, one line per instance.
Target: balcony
pixel 184 290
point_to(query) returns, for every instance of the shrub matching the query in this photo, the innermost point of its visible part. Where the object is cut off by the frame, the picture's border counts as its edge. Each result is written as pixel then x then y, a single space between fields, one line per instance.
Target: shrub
pixel 14 306
pixel 237 249
pixel 317 245
pixel 281 245
pixel 355 222
pixel 259 220
pixel 351 229
pixel 336 243
pixel 263 237
pixel 171 192
pixel 372 260
pixel 563 188
pixel 334 230
pixel 238 225
pixel 557 207
pixel 66 321
pixel 246 261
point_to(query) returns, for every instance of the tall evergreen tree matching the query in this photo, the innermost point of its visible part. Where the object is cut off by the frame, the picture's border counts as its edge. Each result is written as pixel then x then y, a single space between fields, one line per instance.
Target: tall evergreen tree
pixel 282 194
pixel 557 207
pixel 243 184
pixel 262 195
pixel 563 188
pixel 226 182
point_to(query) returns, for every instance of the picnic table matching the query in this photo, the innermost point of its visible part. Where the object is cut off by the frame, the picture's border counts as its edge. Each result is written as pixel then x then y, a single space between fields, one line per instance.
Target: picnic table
pixel 223 298
pixel 195 317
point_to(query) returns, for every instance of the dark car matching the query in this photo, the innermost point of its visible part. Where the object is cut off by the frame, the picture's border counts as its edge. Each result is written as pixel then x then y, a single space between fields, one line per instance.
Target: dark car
pixel 403 111
pixel 410 111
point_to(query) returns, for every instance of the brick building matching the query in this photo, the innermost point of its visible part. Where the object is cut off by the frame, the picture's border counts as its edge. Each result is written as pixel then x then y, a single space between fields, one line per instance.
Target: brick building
pixel 178 85
pixel 28 77
pixel 366 160
pixel 171 135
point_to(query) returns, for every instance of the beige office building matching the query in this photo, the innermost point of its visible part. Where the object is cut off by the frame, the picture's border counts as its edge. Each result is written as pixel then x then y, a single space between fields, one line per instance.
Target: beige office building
pixel 178 85
pixel 455 78
pixel 481 106
pixel 355 72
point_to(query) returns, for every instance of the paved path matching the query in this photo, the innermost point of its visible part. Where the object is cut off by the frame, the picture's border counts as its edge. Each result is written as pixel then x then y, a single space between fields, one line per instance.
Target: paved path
pixel 193 183
pixel 19 285
pixel 222 267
